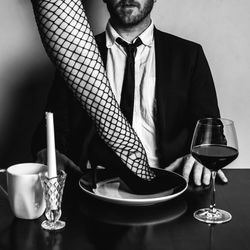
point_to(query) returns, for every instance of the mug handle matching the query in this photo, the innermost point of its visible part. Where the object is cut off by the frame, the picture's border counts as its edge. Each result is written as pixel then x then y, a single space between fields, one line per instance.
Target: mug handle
pixel 3 190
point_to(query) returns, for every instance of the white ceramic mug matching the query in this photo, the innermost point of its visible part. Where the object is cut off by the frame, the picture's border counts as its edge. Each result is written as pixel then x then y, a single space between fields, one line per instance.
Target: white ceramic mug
pixel 24 190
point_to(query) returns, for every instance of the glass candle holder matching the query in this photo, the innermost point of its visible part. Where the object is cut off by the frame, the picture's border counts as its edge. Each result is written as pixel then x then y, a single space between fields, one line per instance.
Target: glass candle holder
pixel 53 192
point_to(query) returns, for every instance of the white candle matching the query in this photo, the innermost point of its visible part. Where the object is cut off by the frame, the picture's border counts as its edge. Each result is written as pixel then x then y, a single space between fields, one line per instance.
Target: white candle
pixel 51 151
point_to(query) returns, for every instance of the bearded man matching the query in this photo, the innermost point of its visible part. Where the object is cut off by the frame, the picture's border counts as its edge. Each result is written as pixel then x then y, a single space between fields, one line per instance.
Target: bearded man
pixel 163 84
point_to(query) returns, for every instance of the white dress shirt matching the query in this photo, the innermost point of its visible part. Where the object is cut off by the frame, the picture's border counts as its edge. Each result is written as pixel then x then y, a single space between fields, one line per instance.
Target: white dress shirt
pixel 143 114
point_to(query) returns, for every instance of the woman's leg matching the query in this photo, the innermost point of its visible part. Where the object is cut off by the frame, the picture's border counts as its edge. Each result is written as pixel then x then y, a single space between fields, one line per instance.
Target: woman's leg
pixel 70 44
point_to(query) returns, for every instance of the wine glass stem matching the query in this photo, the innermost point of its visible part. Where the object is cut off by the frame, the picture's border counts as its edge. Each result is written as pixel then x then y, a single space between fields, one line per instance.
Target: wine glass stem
pixel 213 204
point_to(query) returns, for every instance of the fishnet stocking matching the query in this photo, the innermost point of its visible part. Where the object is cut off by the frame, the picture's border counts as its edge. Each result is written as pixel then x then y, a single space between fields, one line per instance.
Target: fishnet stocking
pixel 69 42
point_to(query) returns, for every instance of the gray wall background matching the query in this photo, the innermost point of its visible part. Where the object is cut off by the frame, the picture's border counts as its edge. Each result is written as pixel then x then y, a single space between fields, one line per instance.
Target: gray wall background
pixel 221 26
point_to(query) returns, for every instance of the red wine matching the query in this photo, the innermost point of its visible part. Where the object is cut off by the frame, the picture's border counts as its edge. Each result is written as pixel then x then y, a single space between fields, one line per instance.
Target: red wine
pixel 214 156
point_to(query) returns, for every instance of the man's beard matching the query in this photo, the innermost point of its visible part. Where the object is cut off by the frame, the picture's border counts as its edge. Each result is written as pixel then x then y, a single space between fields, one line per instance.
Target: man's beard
pixel 124 17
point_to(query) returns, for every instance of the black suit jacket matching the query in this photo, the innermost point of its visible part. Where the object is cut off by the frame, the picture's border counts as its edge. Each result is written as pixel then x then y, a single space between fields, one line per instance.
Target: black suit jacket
pixel 184 93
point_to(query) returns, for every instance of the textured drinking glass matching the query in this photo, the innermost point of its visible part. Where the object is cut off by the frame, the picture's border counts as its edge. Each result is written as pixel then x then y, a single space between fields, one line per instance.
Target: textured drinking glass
pixel 53 192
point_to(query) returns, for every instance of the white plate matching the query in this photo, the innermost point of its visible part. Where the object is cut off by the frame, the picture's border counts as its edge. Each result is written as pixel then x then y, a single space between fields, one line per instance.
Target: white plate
pixel 111 189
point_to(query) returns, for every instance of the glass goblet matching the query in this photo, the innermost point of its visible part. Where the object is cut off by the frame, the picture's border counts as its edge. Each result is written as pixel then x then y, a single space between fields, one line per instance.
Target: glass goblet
pixel 214 145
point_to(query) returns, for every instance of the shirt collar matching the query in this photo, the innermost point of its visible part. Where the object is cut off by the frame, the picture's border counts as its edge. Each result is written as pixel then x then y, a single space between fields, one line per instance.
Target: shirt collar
pixel 147 36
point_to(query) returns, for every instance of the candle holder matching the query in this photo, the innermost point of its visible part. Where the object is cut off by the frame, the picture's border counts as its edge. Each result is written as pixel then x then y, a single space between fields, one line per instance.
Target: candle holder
pixel 53 192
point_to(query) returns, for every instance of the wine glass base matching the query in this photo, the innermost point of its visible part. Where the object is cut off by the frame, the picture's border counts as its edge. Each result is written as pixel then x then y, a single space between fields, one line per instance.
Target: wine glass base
pixel 47 225
pixel 212 217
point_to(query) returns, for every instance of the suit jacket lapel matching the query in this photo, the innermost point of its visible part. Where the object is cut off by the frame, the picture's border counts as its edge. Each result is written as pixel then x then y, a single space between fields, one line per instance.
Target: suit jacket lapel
pixel 101 43
pixel 162 55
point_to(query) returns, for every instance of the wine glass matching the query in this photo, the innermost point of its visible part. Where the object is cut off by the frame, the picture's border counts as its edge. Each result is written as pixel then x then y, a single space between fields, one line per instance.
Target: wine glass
pixel 214 145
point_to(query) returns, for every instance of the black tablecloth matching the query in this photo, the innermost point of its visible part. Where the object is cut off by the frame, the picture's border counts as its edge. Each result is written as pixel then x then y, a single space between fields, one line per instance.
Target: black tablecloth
pixel 93 224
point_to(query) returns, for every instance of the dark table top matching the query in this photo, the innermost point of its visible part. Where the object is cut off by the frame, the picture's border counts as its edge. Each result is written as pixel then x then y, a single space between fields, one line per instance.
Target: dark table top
pixel 93 224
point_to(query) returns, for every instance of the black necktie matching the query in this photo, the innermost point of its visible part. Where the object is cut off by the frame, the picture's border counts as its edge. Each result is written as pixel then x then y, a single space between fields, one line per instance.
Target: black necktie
pixel 127 95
